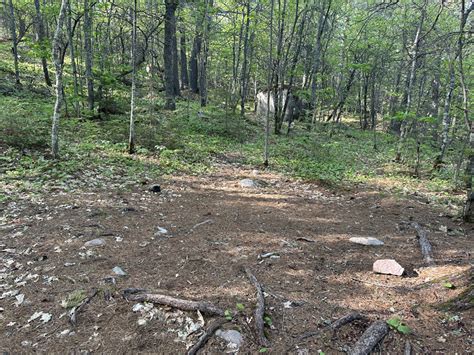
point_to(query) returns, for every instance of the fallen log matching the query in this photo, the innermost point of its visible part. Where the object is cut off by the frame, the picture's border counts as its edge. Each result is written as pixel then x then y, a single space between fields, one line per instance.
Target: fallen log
pixel 186 305
pixel 203 339
pixel 425 244
pixel 371 337
pixel 75 310
pixel 349 318
pixel 259 310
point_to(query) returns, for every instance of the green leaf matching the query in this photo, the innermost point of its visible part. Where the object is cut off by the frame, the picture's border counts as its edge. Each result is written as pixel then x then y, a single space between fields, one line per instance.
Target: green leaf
pixel 263 350
pixel 449 285
pixel 394 322
pixel 240 306
pixel 267 320
pixel 404 329
pixel 228 314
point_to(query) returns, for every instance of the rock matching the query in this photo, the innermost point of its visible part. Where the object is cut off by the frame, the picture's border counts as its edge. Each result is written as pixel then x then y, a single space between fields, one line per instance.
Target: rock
pixel 119 271
pixel 248 183
pixel 155 188
pixel 233 337
pixel 388 266
pixel 161 231
pixel 366 241
pixel 95 243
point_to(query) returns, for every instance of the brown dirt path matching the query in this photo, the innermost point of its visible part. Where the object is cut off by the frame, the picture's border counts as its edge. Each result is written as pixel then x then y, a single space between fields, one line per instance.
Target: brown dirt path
pixel 44 258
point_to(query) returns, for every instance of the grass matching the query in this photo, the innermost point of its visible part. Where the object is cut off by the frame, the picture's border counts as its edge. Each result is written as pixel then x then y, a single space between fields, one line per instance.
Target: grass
pixel 189 140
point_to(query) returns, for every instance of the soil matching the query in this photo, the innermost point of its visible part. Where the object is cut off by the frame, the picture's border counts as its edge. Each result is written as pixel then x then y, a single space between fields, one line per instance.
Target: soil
pixel 215 229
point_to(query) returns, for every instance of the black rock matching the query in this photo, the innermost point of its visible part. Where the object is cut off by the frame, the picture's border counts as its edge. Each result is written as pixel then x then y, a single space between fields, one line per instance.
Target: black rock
pixel 155 188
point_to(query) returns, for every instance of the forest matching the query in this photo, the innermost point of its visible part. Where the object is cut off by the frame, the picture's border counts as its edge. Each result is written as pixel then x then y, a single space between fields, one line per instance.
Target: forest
pixel 225 176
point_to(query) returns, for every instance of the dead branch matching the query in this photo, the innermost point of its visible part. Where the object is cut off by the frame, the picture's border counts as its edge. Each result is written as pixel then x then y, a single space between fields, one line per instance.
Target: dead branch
pixel 407 348
pixel 187 305
pixel 259 310
pixel 203 339
pixel 349 318
pixel 371 337
pixel 425 244
pixel 75 310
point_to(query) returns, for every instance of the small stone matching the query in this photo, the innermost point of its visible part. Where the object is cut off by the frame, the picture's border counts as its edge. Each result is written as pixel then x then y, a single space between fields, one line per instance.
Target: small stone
pixel 142 321
pixel 119 271
pixel 155 188
pixel 388 266
pixel 69 264
pixel 248 183
pixel 366 241
pixel 441 339
pixel 26 343
pixel 138 307
pixel 231 336
pixel 161 231
pixel 95 243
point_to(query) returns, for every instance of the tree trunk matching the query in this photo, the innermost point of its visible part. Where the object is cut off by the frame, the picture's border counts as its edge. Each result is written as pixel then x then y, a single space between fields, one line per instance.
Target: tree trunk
pixel 446 118
pixel 40 39
pixel 204 53
pixel 168 53
pixel 88 54
pixel 72 54
pixel 14 41
pixel 184 61
pixel 193 63
pixel 269 91
pixel 243 76
pixel 59 81
pixel 131 139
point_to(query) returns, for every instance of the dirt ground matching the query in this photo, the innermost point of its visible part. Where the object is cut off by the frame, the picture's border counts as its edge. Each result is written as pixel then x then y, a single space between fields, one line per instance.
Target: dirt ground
pixel 214 229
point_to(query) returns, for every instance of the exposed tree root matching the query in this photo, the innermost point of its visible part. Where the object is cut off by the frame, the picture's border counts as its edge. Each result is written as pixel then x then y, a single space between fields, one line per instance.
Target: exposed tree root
pixel 203 339
pixel 259 310
pixel 186 305
pixel 349 318
pixel 371 337
pixel 425 244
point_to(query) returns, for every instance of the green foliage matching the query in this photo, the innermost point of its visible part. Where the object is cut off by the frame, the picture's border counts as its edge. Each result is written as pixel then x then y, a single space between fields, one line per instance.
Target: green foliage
pixel 397 324
pixel 228 314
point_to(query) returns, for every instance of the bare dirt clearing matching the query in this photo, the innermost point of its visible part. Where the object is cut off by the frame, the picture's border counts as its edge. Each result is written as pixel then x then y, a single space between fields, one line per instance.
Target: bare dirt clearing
pixel 193 240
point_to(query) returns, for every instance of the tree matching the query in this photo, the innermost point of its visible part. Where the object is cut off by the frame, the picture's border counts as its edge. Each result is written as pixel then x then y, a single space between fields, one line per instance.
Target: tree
pixel 170 54
pixel 131 139
pixel 14 41
pixel 58 65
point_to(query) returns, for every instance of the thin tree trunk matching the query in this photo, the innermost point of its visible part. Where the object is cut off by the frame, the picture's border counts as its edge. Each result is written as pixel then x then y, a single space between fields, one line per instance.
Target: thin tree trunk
pixel 88 54
pixel 131 139
pixel 269 88
pixel 204 53
pixel 59 81
pixel 168 53
pixel 14 42
pixel 40 39
pixel 446 118
pixel 243 76
pixel 184 61
pixel 72 54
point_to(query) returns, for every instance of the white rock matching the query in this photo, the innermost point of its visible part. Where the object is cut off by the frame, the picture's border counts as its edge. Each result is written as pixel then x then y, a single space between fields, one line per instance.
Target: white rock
pixel 119 271
pixel 233 337
pixel 19 299
pixel 161 231
pixel 388 266
pixel 137 307
pixel 95 243
pixel 248 183
pixel 366 241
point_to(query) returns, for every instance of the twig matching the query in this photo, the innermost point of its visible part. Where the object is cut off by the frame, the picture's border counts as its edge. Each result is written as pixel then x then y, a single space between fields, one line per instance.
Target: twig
pixel 187 305
pixel 203 339
pixel 74 311
pixel 407 348
pixel 371 337
pixel 425 244
pixel 259 310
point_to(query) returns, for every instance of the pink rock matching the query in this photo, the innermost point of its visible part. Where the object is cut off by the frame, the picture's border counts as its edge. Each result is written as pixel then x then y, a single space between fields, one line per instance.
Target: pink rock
pixel 388 266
